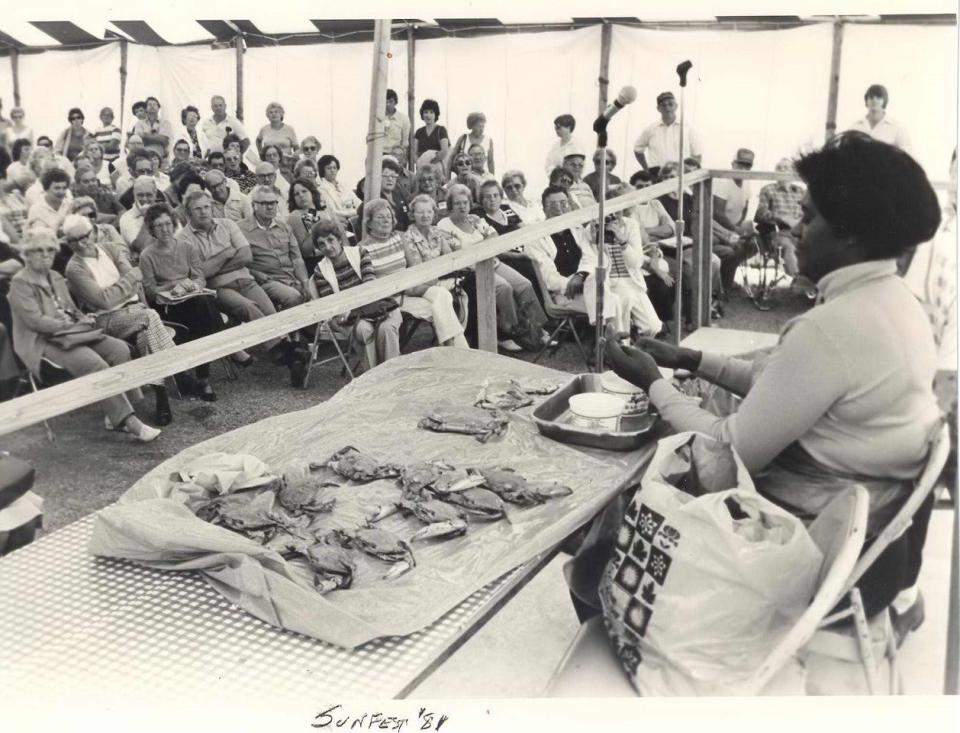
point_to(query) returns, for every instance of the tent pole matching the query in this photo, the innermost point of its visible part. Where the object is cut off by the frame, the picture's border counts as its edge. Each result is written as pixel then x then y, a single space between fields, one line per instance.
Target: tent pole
pixel 238 43
pixel 123 82
pixel 834 78
pixel 411 90
pixel 15 71
pixel 378 104
pixel 606 33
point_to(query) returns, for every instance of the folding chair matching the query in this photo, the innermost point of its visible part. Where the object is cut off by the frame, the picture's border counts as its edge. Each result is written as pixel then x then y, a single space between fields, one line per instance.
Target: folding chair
pixel 567 318
pixel 51 373
pixel 590 667
pixel 867 640
pixel 768 263
pixel 461 305
pixel 338 337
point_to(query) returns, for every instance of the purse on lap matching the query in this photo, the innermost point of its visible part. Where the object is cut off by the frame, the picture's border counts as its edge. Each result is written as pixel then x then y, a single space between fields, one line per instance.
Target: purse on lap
pixel 79 334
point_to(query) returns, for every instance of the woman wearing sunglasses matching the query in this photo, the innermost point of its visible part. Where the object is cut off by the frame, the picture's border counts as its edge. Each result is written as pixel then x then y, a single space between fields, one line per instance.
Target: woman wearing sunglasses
pixel 71 141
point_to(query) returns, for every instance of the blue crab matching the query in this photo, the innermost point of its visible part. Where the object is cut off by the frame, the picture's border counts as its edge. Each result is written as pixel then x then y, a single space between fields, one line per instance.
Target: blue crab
pixel 305 496
pixel 332 566
pixel 352 463
pixel 442 520
pixel 417 477
pixel 511 486
pixel 381 544
pixel 482 424
pixel 479 503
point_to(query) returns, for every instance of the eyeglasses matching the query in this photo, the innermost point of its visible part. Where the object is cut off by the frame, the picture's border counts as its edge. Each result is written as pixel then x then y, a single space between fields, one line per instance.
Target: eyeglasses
pixel 182 149
pixel 511 186
pixel 265 203
pixel 75 118
pixel 309 149
pixel 88 214
pixel 43 250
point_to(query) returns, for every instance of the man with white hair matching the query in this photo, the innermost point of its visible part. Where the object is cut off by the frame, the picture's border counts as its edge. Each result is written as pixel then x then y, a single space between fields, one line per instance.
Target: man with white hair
pixel 145 195
pixel 277 264
pixel 228 202
pixel 221 124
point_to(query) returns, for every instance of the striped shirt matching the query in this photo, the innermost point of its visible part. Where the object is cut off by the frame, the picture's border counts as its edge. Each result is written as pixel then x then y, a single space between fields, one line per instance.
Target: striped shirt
pixel 346 275
pixel 386 256
pixel 783 204
pixel 618 267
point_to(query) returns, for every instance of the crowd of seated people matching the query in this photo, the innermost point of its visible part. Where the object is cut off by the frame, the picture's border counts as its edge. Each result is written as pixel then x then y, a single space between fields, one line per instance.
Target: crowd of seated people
pixel 192 224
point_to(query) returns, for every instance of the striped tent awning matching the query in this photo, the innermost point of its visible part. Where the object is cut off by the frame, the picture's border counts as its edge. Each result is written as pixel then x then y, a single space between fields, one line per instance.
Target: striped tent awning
pixel 165 31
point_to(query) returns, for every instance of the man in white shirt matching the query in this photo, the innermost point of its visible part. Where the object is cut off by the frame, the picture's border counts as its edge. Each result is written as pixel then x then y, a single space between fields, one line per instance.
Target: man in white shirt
pixel 734 236
pixel 221 124
pixel 660 142
pixel 131 223
pixel 876 123
pixel 228 202
pixel 563 125
pixel 396 126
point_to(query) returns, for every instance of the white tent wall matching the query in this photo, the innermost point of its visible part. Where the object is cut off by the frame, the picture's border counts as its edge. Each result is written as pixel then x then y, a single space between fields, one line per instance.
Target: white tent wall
pixel 918 66
pixel 6 85
pixel 54 81
pixel 763 90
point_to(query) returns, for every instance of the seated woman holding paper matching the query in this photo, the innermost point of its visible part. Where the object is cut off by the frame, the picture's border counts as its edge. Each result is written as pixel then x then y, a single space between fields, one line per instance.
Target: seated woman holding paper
pixel 107 287
pixel 48 325
pixel 173 281
pixel 846 396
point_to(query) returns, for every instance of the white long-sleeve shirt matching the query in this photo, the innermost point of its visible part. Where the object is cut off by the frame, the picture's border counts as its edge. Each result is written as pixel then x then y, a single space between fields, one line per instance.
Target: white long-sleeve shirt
pixel 850 380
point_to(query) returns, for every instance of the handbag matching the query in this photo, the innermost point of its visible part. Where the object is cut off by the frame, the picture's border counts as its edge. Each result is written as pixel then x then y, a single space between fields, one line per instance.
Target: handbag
pixel 79 334
pixel 376 311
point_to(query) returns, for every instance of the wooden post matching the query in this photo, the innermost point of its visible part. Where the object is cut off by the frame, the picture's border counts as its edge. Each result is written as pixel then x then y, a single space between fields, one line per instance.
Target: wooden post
pixel 606 34
pixel 378 105
pixel 15 71
pixel 238 43
pixel 834 78
pixel 486 307
pixel 951 686
pixel 411 90
pixel 123 83
pixel 702 294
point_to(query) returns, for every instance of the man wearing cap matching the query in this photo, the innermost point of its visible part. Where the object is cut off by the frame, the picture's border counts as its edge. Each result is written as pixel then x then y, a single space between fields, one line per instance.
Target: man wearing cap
pixel 660 142
pixel 277 264
pixel 109 208
pixel 579 192
pixel 267 176
pixel 145 195
pixel 228 202
pixel 221 124
pixel 876 123
pixel 396 125
pixel 156 133
pixel 734 238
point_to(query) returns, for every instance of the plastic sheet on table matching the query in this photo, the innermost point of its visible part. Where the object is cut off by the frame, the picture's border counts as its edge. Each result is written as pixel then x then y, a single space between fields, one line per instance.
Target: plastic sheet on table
pixel 377 413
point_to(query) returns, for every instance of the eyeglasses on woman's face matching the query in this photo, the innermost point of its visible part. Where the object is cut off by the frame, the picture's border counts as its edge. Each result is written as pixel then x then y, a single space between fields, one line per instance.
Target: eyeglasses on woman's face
pixel 44 251
pixel 309 148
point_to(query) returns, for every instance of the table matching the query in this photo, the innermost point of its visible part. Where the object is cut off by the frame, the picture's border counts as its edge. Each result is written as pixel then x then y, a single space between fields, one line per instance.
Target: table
pixel 729 341
pixel 79 628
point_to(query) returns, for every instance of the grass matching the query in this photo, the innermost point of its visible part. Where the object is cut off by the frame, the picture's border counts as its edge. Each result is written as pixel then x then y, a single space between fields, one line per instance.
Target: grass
pixel 87 467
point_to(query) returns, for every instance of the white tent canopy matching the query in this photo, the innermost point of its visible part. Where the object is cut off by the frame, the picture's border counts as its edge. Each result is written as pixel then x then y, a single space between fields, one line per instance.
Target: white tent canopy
pixel 766 90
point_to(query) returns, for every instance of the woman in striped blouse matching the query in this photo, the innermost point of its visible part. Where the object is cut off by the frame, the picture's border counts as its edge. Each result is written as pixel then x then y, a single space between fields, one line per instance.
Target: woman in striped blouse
pixel 384 246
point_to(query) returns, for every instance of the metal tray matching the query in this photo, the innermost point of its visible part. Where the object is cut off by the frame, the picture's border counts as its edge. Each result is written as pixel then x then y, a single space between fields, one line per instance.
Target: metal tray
pixel 552 414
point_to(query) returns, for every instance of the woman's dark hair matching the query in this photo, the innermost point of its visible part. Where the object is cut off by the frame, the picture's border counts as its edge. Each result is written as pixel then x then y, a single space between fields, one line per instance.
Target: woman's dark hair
pixel 229 139
pixel 188 108
pixel 18 146
pixel 565 121
pixel 138 106
pixel 872 192
pixel 432 106
pixel 75 111
pixel 263 153
pixel 42 138
pixel 550 191
pixel 879 91
pixel 214 155
pixel 185 181
pixel 54 175
pixel 324 160
pixel 155 212
pixel 311 187
pixel 641 175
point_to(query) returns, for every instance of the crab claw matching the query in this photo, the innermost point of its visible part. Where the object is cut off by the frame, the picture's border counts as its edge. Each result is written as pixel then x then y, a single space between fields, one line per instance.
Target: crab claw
pixel 399 568
pixel 449 528
pixel 381 512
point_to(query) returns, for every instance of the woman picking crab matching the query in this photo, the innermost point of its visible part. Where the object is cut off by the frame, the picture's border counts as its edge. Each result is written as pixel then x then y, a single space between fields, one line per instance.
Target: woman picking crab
pixel 846 395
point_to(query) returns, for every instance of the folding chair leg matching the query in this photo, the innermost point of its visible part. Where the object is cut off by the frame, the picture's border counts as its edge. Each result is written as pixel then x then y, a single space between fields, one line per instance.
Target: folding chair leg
pixel 46 425
pixel 314 348
pixel 553 337
pixel 583 352
pixel 343 358
pixel 229 369
pixel 863 640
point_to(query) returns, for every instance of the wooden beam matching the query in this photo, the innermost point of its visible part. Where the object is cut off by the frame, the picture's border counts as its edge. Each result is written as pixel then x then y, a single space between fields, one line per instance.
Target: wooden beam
pixel 834 79
pixel 411 90
pixel 486 307
pixel 123 84
pixel 238 45
pixel 606 35
pixel 702 290
pixel 15 72
pixel 378 105
pixel 951 683
pixel 52 401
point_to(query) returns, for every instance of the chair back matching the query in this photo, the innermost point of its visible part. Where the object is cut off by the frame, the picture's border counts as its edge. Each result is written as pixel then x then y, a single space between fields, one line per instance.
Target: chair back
pixel 936 460
pixel 528 268
pixel 839 532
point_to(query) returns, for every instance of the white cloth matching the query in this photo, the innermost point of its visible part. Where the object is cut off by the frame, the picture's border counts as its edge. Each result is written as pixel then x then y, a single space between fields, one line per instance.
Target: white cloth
pixel 396 131
pixel 42 212
pixel 528 214
pixel 215 131
pixel 435 306
pixel 560 149
pixel 660 143
pixel 130 224
pixel 338 198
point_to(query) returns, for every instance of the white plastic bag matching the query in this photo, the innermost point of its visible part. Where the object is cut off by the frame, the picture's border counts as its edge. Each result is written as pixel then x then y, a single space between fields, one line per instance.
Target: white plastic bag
pixel 699 589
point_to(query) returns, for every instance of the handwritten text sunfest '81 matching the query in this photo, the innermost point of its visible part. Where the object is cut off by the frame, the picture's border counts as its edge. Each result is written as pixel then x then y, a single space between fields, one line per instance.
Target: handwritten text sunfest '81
pixel 336 718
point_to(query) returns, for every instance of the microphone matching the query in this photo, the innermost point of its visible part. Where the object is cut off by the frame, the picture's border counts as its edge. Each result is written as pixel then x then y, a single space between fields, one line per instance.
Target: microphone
pixel 626 96
pixel 682 70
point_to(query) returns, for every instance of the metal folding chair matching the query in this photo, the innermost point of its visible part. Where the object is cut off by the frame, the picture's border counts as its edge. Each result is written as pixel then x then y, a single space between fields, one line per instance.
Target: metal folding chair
pixel 338 337
pixel 768 263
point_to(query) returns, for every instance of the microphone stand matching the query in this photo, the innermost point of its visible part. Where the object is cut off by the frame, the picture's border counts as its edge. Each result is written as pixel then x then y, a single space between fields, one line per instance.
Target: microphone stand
pixel 600 127
pixel 682 70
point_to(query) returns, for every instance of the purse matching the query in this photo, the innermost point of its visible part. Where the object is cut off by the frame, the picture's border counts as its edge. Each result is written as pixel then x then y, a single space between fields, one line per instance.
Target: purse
pixel 376 311
pixel 79 334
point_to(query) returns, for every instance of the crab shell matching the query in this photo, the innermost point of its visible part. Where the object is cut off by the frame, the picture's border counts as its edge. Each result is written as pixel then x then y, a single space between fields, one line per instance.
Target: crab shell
pixel 379 543
pixel 431 511
pixel 445 529
pixel 333 568
pixel 457 480
pixel 287 544
pixel 305 497
pixel 354 464
pixel 257 513
pixel 478 502
pixel 416 477
pixel 509 486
